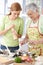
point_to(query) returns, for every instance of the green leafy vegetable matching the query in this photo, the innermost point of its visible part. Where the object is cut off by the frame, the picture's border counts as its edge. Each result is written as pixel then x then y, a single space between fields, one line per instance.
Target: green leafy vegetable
pixel 18 60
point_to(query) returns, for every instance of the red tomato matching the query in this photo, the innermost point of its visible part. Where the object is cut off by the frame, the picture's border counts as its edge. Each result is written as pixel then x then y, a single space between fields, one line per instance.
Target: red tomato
pixel 29 59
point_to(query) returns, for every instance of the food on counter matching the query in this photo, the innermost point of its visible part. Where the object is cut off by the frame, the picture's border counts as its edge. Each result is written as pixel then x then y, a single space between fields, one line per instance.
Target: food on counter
pixel 24 58
pixel 34 55
pixel 18 60
pixel 1 52
pixel 27 58
pixel 24 54
pixel 17 54
pixel 5 52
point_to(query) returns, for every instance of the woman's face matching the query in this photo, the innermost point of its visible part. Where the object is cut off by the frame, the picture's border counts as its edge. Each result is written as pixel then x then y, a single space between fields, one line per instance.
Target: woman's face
pixel 15 14
pixel 32 15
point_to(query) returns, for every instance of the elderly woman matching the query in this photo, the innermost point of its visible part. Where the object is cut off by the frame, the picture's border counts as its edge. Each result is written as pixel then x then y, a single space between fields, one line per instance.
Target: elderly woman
pixel 34 33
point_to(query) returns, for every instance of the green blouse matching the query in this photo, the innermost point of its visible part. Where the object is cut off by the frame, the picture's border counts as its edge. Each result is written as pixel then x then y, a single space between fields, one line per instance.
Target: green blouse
pixel 8 37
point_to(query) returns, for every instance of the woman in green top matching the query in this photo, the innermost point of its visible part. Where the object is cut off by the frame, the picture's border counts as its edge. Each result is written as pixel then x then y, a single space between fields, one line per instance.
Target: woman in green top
pixel 12 28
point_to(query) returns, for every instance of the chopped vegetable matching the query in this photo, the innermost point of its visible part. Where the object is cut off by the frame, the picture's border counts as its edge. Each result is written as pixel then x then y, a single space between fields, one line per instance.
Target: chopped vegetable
pixel 18 60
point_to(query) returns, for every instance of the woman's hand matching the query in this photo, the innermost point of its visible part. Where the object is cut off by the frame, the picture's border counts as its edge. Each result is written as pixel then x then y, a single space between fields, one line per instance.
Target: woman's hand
pixel 41 40
pixel 14 33
pixel 10 27
pixel 6 30
pixel 33 41
pixel 25 40
pixel 22 42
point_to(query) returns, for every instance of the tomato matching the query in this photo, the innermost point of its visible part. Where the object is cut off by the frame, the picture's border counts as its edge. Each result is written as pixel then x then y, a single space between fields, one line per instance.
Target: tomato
pixel 29 59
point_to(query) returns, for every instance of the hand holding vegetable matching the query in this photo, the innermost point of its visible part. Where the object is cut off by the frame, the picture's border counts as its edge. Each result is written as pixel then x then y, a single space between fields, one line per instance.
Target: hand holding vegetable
pixel 15 36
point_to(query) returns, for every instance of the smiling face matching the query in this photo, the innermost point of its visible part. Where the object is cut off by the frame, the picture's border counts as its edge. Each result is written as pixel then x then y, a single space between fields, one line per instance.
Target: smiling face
pixel 15 14
pixel 15 10
pixel 33 15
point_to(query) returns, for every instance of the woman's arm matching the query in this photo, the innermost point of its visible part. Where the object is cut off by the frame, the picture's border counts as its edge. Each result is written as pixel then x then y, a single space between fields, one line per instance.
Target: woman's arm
pixel 14 33
pixel 40 40
pixel 25 40
pixel 5 31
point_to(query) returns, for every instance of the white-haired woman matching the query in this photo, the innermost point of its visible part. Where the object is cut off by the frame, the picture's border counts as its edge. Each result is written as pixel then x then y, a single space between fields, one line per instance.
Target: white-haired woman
pixel 34 29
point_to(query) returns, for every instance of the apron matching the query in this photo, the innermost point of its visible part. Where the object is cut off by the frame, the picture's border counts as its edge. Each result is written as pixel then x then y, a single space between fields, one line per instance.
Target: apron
pixel 34 34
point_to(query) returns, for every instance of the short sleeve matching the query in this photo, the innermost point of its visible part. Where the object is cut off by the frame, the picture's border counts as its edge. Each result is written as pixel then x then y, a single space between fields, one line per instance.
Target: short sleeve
pixel 2 24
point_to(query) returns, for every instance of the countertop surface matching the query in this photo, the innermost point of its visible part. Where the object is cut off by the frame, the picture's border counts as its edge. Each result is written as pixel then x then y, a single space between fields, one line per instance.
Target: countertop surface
pixel 9 61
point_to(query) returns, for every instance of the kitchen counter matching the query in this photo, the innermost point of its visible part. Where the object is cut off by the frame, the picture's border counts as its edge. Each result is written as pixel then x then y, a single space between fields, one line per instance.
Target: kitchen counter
pixel 25 63
pixel 5 60
pixel 9 61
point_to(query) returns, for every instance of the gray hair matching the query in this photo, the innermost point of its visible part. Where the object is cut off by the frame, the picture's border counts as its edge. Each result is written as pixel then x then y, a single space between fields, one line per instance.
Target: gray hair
pixel 33 7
